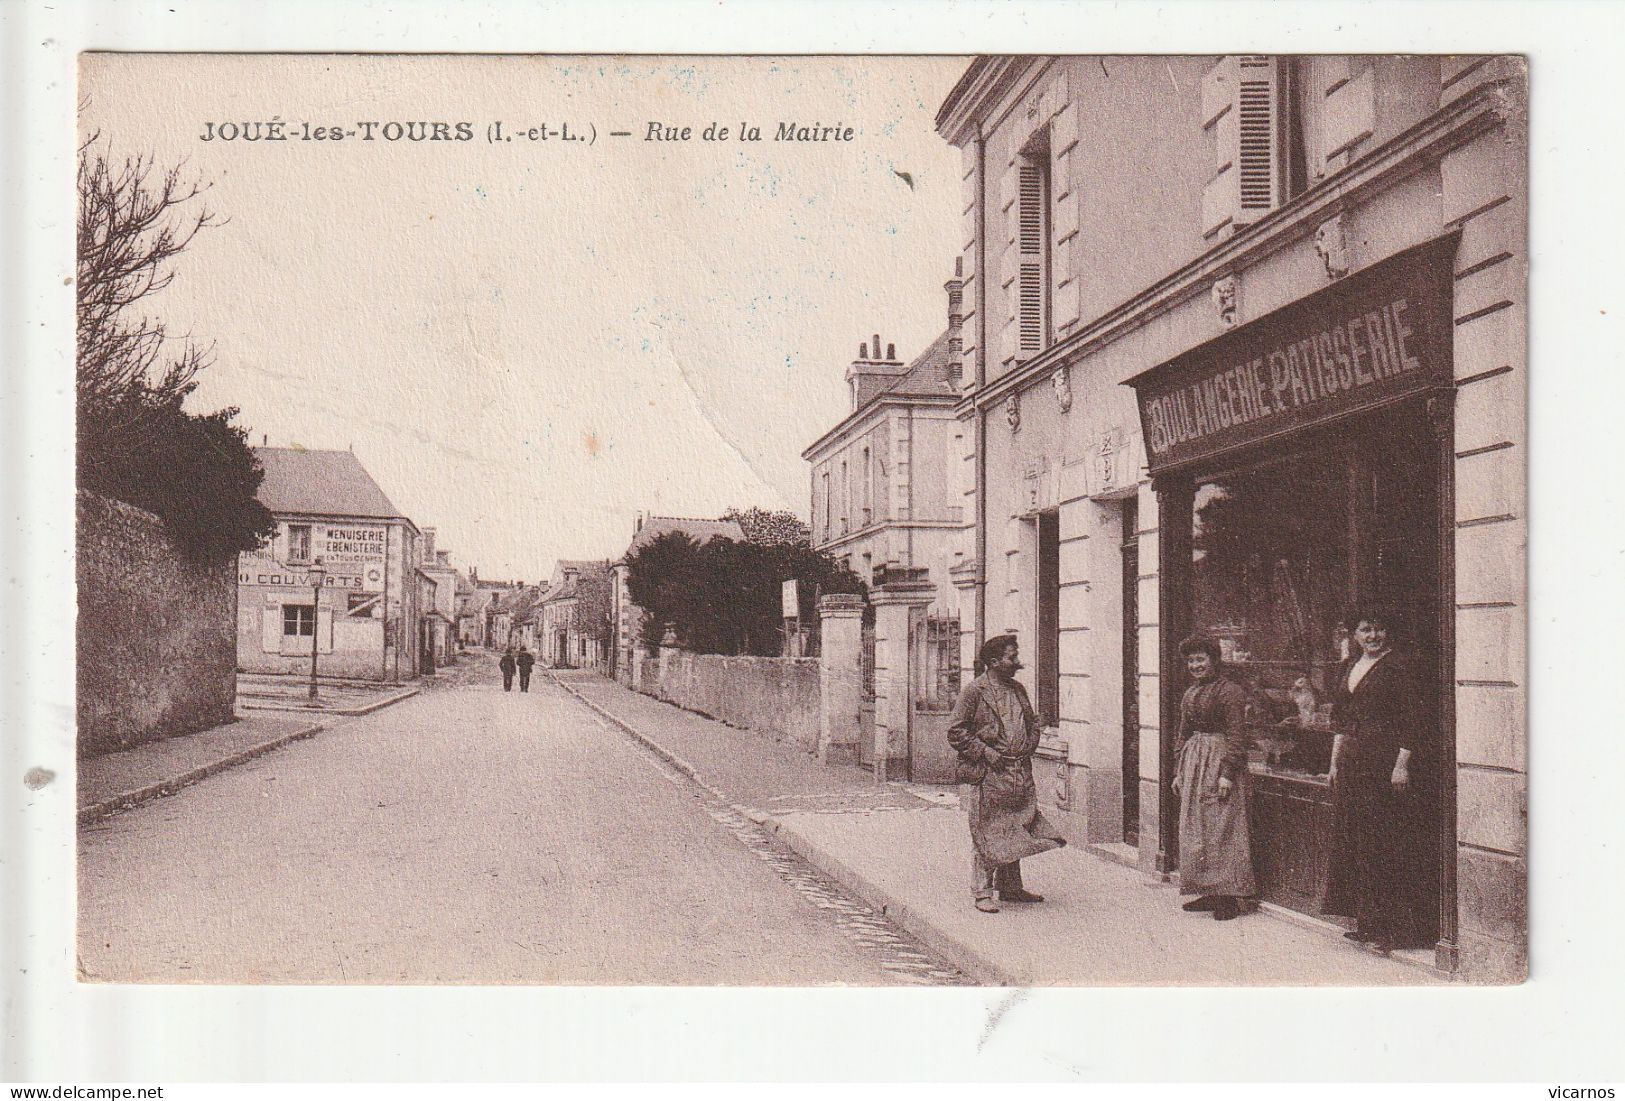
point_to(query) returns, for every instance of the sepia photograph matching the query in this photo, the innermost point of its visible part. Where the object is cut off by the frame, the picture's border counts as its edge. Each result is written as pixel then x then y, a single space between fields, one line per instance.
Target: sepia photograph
pixel 1000 520
pixel 923 545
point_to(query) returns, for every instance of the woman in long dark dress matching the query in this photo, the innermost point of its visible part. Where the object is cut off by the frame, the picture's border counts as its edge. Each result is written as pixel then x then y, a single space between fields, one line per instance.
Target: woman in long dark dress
pixel 1379 872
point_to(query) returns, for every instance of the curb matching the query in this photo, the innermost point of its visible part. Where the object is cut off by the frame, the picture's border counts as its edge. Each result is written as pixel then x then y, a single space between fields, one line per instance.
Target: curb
pixel 366 709
pixel 649 743
pixel 130 799
pixel 967 959
pixel 961 955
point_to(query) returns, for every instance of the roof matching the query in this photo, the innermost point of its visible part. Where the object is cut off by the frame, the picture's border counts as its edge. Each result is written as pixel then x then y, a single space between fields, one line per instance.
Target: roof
pixel 519 603
pixel 322 483
pixel 972 72
pixel 928 374
pixel 926 377
pixel 580 569
pixel 580 565
pixel 701 531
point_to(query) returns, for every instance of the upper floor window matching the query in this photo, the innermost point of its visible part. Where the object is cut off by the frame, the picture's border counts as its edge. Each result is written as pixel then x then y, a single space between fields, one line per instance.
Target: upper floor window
pixel 1033 246
pixel 846 497
pixel 299 543
pixel 824 479
pixel 868 489
pixel 1252 110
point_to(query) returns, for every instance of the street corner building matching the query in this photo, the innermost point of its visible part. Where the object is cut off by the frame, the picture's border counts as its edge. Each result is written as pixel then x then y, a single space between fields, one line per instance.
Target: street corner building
pixel 371 615
pixel 1245 346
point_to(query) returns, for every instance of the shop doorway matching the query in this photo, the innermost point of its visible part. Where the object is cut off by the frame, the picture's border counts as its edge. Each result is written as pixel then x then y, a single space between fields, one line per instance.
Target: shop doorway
pixel 1129 625
pixel 1279 550
pixel 1047 666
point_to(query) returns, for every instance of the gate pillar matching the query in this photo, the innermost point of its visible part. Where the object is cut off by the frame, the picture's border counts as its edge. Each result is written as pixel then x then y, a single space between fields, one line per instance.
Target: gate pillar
pixel 840 677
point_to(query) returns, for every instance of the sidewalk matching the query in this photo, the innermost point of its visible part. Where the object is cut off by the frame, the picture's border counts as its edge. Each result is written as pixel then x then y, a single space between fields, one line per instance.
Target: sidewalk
pixel 906 849
pixel 115 781
pixel 257 692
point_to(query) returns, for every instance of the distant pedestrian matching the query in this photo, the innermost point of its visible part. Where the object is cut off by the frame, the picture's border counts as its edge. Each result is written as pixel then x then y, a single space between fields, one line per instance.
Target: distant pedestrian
pixel 526 661
pixel 994 729
pixel 507 665
pixel 1212 782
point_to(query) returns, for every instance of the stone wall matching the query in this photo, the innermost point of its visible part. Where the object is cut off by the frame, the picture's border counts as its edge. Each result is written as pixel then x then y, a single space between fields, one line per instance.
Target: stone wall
pixel 778 697
pixel 157 638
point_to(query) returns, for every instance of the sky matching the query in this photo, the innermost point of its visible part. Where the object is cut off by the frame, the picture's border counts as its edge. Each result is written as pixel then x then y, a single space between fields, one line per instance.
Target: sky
pixel 527 342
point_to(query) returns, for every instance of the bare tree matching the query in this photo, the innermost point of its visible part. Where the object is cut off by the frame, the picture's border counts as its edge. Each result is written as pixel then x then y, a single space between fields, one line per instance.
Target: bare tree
pixel 136 441
pixel 134 219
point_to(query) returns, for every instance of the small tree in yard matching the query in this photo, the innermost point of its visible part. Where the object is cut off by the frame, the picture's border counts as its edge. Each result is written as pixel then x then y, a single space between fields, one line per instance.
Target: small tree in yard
pixel 723 596
pixel 136 442
pixel 662 578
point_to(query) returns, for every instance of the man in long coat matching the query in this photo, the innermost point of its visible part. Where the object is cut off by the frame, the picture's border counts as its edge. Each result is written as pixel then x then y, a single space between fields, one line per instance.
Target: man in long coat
pixel 526 661
pixel 994 729
pixel 506 664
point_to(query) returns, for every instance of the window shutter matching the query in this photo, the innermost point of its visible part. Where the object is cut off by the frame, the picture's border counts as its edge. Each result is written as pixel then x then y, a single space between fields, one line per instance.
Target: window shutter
pixel 1031 241
pixel 271 629
pixel 1241 107
pixel 1258 160
pixel 324 630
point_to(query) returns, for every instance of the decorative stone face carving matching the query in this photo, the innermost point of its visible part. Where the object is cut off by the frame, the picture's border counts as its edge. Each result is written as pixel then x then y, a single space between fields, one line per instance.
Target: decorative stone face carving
pixel 1333 247
pixel 1224 300
pixel 1012 412
pixel 1061 380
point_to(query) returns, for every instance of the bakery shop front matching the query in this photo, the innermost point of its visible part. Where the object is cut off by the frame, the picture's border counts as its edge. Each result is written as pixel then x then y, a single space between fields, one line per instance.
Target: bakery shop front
pixel 1303 466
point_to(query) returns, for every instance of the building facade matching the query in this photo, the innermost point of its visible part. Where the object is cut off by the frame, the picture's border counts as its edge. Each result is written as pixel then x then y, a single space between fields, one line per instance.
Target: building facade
pixel 883 491
pixel 1246 338
pixel 470 629
pixel 512 619
pixel 574 615
pixel 437 634
pixel 365 618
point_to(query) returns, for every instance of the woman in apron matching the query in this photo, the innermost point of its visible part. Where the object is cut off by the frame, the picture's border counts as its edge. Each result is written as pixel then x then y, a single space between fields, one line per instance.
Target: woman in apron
pixel 1211 779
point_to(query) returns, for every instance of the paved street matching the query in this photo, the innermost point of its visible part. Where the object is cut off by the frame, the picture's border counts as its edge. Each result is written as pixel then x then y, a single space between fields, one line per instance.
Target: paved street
pixel 467 835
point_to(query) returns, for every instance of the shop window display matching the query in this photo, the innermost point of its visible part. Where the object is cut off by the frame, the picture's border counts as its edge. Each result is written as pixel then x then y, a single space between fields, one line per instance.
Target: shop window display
pixel 1271 576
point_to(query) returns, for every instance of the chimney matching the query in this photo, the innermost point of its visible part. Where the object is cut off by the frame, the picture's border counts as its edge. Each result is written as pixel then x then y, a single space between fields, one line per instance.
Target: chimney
pixel 442 558
pixel 869 377
pixel 955 369
pixel 428 544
